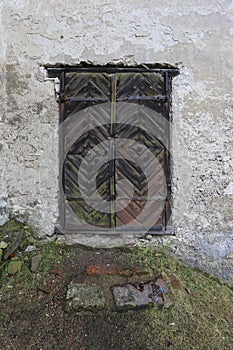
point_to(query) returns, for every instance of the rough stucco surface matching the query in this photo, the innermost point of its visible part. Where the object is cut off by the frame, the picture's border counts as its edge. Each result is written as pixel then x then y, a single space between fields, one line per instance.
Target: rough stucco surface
pixel 196 36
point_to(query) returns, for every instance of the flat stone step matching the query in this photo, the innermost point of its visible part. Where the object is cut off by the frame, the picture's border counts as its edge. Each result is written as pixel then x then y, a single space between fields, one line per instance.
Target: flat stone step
pixel 85 297
pixel 90 297
pixel 139 294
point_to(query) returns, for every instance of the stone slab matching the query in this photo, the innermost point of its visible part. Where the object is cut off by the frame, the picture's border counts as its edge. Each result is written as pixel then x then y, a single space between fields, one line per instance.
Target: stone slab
pixel 140 294
pixel 36 259
pixel 85 297
pixel 14 266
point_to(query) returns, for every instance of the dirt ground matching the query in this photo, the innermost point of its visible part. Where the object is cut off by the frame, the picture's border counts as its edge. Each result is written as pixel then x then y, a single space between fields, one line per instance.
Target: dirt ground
pixel 34 314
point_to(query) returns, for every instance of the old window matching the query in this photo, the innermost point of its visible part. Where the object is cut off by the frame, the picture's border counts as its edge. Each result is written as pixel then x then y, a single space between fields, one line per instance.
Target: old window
pixel 115 149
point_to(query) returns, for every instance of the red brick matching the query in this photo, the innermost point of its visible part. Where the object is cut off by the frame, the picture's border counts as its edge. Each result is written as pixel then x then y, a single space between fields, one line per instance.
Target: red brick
pixel 109 270
pixel 126 273
pixel 94 270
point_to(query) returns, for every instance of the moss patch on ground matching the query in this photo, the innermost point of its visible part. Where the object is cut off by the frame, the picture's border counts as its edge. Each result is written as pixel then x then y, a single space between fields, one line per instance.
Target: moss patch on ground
pixel 202 313
pixel 24 283
pixel 33 313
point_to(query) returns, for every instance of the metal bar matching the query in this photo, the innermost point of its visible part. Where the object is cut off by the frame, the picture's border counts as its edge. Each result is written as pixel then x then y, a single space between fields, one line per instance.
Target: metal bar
pixel 167 208
pixel 87 99
pixel 144 98
pixel 104 69
pixel 112 151
pixel 133 232
pixel 129 98
pixel 166 81
pixel 141 199
pixel 61 148
pixel 169 188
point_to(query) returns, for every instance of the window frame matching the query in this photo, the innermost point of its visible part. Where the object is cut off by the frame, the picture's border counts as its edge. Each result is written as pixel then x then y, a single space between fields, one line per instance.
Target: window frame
pixel 167 74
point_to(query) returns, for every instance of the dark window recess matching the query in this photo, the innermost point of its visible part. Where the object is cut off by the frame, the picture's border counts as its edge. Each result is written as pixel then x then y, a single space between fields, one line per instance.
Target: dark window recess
pixel 114 121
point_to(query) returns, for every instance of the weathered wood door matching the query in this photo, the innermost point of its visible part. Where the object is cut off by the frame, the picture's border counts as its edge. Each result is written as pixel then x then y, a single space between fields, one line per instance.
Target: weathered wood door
pixel 115 161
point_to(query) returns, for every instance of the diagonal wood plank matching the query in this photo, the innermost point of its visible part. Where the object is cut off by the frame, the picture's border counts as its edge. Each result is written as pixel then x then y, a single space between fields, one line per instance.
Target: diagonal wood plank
pixel 137 119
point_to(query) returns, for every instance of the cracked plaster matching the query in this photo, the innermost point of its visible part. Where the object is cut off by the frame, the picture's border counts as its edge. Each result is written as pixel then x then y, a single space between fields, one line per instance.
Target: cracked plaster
pixel 195 36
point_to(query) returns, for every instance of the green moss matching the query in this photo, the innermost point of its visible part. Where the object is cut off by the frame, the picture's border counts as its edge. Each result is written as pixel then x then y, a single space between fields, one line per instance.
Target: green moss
pixel 25 281
pixel 202 311
pixel 201 316
pixel 14 226
pixel 53 253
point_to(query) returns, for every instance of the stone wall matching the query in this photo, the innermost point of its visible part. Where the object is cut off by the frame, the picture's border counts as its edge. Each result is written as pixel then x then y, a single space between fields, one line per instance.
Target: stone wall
pixel 195 36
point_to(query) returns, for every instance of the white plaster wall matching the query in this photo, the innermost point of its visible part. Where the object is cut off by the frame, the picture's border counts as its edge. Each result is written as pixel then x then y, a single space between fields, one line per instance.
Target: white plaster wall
pixel 195 35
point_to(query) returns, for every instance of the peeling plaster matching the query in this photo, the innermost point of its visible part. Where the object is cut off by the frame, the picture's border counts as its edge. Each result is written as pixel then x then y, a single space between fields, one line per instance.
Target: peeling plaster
pixel 195 36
